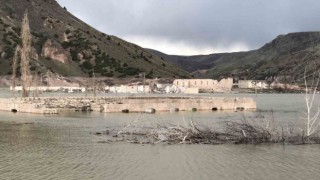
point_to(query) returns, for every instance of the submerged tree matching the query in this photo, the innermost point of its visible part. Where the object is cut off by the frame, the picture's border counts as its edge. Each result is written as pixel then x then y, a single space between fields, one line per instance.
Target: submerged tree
pixel 313 105
pixel 25 55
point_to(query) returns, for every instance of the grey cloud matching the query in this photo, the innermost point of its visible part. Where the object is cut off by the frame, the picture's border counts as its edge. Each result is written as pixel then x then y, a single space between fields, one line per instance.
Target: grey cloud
pixel 203 23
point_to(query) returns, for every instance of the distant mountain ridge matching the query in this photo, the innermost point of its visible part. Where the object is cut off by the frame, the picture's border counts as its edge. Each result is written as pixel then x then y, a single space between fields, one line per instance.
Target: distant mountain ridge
pixel 285 56
pixel 66 45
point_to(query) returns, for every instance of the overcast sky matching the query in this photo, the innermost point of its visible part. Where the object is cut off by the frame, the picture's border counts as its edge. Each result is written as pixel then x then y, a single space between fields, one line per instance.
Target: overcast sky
pixel 188 27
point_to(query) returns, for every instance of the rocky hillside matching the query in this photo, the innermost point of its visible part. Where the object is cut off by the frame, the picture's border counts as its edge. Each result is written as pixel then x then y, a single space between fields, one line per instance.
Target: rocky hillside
pixel 285 57
pixel 65 45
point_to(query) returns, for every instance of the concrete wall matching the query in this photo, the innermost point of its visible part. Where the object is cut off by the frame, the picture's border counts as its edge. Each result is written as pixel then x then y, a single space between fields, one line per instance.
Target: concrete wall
pixel 191 90
pixel 25 106
pixel 183 104
pixel 245 84
pixel 133 104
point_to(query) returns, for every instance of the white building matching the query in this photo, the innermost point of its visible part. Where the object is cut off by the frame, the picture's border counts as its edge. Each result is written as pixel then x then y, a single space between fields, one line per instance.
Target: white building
pixel 252 84
pixel 208 85
pixel 129 89
pixel 50 88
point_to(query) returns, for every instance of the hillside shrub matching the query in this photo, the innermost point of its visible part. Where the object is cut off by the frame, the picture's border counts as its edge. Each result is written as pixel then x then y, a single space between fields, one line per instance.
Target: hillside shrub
pixel 131 71
pixel 87 65
pixel 9 50
pixel 68 31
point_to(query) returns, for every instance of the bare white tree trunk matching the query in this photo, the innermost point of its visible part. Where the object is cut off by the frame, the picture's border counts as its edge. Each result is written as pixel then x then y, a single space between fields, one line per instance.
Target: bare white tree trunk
pixel 313 105
pixel 25 56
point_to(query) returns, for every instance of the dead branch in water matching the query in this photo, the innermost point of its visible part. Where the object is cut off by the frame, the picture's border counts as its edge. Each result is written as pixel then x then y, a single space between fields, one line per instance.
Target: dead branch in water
pixel 245 131
pixel 166 133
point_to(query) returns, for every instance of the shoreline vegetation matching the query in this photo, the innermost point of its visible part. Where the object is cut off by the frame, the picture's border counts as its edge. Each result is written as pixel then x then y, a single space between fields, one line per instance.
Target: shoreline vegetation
pixel 245 131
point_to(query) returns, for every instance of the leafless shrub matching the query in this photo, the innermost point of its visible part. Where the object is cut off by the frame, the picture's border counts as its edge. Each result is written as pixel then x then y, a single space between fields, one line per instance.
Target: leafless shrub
pixel 312 104
pixel 25 55
pixel 245 131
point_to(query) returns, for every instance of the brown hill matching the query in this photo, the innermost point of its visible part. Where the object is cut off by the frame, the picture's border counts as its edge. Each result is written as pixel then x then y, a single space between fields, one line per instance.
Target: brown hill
pixel 66 45
pixel 285 57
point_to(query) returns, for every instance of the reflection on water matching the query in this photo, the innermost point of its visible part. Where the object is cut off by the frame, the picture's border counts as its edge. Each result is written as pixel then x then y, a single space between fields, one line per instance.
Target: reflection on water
pixel 64 147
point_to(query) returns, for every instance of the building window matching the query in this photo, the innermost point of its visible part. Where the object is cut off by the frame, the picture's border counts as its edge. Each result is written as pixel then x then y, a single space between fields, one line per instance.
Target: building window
pixel 195 83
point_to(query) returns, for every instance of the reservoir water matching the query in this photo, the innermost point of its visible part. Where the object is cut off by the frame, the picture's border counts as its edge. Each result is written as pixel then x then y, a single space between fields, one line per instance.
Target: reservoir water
pixel 64 147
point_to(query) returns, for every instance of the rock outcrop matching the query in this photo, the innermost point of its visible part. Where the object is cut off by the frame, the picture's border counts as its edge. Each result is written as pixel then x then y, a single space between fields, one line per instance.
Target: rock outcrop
pixel 55 51
pixel 2 53
pixel 34 55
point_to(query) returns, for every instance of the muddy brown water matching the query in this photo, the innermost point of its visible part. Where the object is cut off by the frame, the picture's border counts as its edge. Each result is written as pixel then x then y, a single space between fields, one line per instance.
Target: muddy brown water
pixel 63 147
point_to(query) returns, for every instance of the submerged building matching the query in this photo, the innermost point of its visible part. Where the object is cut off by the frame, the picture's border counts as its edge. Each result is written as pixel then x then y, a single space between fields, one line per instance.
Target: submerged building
pixel 205 85
pixel 251 84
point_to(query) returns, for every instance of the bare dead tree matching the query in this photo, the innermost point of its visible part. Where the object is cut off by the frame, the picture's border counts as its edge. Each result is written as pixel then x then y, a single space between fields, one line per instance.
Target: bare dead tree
pixel 25 55
pixel 14 68
pixel 312 103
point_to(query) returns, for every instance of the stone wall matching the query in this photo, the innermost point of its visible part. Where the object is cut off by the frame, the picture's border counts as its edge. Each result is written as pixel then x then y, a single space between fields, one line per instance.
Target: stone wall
pixel 132 104
pixel 182 104
pixel 25 106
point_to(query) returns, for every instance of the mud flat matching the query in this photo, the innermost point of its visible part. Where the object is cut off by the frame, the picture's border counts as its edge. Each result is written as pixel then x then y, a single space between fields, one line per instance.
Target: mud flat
pixel 54 105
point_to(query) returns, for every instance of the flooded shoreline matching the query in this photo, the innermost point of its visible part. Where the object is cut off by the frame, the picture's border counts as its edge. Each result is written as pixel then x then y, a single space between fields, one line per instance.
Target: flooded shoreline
pixel 71 153
pixel 64 147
